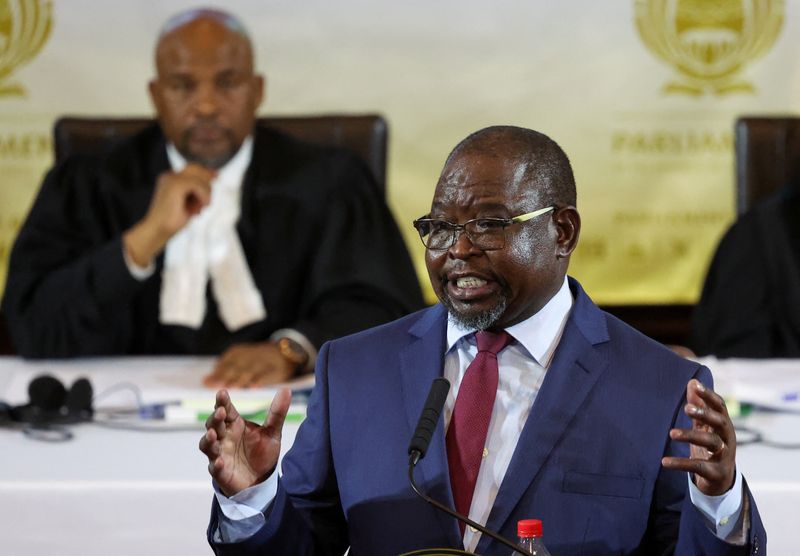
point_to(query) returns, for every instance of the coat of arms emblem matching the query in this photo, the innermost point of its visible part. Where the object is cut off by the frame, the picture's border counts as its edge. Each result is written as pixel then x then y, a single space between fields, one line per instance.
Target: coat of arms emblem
pixel 709 41
pixel 24 28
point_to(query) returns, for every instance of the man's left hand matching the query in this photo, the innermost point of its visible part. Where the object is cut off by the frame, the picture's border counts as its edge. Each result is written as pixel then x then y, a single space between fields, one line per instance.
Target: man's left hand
pixel 712 441
pixel 250 366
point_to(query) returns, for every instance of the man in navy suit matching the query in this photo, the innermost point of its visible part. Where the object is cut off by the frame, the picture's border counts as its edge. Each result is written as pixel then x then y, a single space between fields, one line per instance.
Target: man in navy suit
pixel 618 445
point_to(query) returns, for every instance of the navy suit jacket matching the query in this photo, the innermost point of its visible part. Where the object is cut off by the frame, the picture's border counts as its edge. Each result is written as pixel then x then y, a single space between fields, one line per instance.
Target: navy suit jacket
pixel 588 461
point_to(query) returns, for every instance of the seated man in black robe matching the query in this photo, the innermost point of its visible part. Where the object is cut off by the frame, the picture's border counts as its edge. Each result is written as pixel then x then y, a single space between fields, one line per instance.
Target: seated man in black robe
pixel 750 306
pixel 207 234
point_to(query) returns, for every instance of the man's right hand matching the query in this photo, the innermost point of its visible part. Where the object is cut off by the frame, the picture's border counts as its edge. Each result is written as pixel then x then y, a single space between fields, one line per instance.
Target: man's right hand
pixel 177 198
pixel 241 453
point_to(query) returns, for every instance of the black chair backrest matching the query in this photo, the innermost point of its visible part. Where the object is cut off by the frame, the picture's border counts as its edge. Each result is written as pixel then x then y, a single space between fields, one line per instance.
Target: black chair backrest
pixel 366 135
pixel 767 157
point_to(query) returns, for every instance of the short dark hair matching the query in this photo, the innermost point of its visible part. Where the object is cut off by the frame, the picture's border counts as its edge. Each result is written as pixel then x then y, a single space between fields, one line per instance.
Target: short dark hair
pixel 547 166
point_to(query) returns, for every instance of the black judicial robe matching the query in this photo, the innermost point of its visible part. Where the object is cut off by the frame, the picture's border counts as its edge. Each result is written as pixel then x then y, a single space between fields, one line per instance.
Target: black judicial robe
pixel 750 305
pixel 322 246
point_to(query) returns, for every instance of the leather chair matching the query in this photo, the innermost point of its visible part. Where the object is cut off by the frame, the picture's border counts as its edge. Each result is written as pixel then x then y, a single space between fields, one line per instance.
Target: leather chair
pixel 767 157
pixel 366 135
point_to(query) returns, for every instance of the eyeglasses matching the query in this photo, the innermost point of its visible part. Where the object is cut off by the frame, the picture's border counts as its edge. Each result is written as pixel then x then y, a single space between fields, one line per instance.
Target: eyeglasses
pixel 486 234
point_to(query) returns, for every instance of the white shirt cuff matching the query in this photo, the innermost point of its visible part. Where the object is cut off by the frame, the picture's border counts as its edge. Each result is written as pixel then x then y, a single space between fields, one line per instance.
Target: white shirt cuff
pixel 242 515
pixel 141 273
pixel 724 510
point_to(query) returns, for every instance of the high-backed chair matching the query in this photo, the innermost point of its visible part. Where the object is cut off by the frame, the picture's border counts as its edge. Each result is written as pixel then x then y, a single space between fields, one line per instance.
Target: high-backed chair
pixel 767 157
pixel 366 135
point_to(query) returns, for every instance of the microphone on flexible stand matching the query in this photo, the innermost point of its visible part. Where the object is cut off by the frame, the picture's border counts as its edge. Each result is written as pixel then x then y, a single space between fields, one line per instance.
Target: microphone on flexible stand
pixel 419 445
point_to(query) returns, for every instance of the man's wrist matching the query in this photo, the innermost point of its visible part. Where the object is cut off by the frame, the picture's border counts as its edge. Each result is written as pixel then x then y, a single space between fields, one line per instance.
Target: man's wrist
pixel 304 343
pixel 722 511
pixel 140 273
pixel 142 244
pixel 293 353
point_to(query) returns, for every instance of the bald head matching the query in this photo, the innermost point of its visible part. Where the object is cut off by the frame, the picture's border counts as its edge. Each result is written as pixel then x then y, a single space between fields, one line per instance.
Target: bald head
pixel 539 161
pixel 205 91
pixel 189 16
pixel 196 29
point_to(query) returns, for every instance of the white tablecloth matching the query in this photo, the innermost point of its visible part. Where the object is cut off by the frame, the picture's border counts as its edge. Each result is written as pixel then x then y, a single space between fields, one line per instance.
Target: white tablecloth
pixel 110 491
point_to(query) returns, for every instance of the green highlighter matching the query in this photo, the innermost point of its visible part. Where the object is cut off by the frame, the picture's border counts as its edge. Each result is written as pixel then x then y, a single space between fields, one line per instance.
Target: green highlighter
pixel 251 409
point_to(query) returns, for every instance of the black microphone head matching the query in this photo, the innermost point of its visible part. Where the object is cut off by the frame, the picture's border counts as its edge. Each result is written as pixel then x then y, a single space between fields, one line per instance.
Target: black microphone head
pixel 46 393
pixel 79 400
pixel 428 419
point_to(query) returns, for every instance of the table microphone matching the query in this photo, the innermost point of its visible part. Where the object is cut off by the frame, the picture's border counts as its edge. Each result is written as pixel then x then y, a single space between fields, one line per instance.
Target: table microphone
pixel 428 420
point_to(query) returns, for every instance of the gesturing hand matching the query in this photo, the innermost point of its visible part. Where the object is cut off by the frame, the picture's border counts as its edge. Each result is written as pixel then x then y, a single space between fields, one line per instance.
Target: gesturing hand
pixel 712 441
pixel 241 453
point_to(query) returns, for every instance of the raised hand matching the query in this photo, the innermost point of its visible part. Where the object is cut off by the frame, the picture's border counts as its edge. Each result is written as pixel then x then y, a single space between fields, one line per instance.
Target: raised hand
pixel 241 453
pixel 712 441
pixel 250 365
pixel 177 198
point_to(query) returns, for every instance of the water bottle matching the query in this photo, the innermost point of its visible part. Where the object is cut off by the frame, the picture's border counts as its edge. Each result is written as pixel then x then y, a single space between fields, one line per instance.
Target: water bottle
pixel 529 532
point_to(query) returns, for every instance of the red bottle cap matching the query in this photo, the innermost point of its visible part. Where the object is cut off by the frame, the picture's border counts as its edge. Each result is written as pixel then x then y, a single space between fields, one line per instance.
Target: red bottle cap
pixel 529 528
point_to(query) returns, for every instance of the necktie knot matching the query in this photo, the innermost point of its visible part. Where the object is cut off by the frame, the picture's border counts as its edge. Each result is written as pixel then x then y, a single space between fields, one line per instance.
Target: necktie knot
pixel 492 342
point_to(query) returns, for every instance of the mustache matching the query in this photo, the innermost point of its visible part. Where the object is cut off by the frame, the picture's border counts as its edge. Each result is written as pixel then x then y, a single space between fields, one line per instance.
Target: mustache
pixel 206 126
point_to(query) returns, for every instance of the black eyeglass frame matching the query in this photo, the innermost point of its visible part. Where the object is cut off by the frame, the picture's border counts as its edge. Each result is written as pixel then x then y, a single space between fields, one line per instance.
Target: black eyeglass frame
pixel 424 226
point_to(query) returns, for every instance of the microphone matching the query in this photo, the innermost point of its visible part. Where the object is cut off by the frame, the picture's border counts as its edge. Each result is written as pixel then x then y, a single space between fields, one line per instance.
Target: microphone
pixel 418 446
pixel 428 420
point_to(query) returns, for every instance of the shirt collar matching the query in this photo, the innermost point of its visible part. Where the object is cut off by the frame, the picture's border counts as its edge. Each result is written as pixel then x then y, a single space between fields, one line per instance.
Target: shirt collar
pixel 233 170
pixel 537 334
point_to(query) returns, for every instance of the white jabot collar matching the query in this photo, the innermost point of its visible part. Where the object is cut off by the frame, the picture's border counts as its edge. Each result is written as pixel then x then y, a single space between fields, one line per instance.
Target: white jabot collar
pixel 209 247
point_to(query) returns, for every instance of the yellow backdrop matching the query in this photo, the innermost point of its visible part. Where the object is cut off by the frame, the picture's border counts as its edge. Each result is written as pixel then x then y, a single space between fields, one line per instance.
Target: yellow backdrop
pixel 642 94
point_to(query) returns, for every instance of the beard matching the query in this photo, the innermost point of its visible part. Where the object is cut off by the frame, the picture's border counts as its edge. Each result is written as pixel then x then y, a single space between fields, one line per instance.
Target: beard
pixel 476 321
pixel 214 161
pixel 210 162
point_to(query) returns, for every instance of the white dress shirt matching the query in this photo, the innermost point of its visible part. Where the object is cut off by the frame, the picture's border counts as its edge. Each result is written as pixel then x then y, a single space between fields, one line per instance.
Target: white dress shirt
pixel 209 247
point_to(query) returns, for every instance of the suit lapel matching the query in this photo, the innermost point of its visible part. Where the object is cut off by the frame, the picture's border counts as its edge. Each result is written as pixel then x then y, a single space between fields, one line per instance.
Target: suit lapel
pixel 421 361
pixel 575 369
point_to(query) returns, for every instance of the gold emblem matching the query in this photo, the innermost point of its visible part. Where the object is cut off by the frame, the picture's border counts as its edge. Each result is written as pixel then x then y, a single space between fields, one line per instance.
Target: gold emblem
pixel 24 28
pixel 709 41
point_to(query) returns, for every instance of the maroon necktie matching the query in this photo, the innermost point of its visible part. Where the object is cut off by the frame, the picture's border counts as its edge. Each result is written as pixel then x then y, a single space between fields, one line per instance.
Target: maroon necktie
pixel 466 435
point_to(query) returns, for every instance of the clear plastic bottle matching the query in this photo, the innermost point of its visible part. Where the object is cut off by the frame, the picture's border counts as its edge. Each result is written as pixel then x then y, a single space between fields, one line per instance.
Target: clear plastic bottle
pixel 529 532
